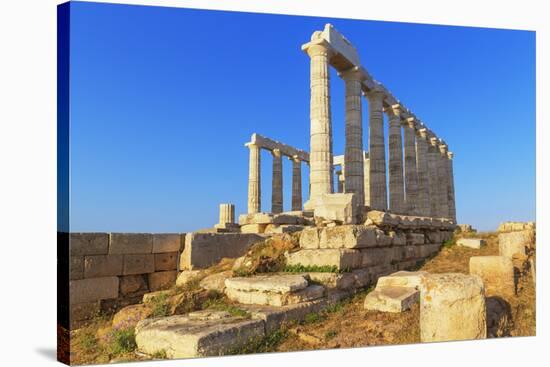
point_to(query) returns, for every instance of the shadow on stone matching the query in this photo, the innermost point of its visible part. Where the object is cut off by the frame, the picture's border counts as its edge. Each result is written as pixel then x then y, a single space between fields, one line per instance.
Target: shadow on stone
pixel 499 317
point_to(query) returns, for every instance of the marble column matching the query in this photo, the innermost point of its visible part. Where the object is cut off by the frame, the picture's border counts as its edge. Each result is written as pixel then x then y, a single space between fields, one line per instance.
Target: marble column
pixel 452 203
pixel 366 174
pixel 353 155
pixel 395 165
pixel 227 214
pixel 433 155
pixel 320 174
pixel 422 172
pixel 340 180
pixel 377 152
pixel 254 186
pixel 296 183
pixel 411 172
pixel 443 179
pixel 277 182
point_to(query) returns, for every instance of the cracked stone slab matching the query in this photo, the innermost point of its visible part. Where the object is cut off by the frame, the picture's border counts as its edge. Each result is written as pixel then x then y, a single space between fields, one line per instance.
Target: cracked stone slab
pixel 310 293
pixel 391 299
pixel 268 283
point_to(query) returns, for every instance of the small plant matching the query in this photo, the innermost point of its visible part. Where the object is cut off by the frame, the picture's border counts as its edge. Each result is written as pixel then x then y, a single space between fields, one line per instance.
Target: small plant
pixel 449 243
pixel 159 305
pixel 299 268
pixel 312 317
pixel 122 341
pixel 263 345
pixel 159 354
pixel 88 341
pixel 330 334
pixel 218 304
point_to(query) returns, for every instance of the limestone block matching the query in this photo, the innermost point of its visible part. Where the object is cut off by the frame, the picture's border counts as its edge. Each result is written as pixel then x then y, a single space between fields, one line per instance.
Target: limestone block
pixel 339 207
pixel 161 280
pixel 434 237
pixel 452 307
pixel 216 282
pixel 424 251
pixel 131 243
pixel 376 256
pixel 129 316
pixel 398 238
pixel 186 336
pixel 268 283
pixel 391 299
pixel 407 279
pixel 167 242
pixel 187 276
pixel 509 246
pixel 96 266
pixel 253 228
pixel 415 238
pixel 132 283
pixel 310 238
pixel 333 280
pixel 166 261
pixel 381 219
pixel 309 293
pixel 283 228
pixel 475 243
pixel 361 278
pixel 348 236
pixel 340 258
pixel 206 249
pixel 402 253
pixel 89 244
pixel 84 311
pixel 382 239
pixel 148 297
pixel 138 264
pixel 93 289
pixel 76 267
pixel 285 218
pixel 497 273
pixel 256 218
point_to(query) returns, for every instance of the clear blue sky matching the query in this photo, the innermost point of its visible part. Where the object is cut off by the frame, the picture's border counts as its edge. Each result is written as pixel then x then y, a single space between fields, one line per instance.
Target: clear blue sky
pixel 163 100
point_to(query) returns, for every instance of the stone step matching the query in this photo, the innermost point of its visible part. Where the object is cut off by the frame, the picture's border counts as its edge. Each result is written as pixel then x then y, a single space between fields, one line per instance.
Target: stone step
pixel 268 283
pixel 408 279
pixel 391 299
pixel 310 293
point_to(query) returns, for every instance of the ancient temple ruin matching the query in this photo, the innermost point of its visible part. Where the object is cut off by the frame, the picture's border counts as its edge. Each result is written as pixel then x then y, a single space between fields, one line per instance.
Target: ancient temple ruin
pixel 418 180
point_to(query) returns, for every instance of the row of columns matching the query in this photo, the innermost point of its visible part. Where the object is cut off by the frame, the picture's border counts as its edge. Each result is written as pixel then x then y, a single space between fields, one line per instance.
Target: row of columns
pixel 254 180
pixel 420 168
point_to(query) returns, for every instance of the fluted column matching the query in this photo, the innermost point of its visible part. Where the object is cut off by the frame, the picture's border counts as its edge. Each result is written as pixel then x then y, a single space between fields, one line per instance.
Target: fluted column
pixel 433 155
pixel 296 183
pixel 277 182
pixel 227 214
pixel 422 172
pixel 353 155
pixel 254 186
pixel 452 203
pixel 395 165
pixel 320 174
pixel 377 152
pixel 411 173
pixel 443 179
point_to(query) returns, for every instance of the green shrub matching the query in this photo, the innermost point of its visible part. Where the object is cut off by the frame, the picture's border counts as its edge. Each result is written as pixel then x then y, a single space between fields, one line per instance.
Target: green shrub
pixel 123 341
pixel 299 268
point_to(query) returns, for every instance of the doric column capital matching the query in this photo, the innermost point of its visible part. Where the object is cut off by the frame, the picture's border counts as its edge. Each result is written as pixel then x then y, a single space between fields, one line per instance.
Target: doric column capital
pixel 375 95
pixel 276 153
pixel 450 155
pixel 443 148
pixel 422 133
pixel 354 73
pixel 318 47
pixel 295 159
pixel 410 122
pixel 434 141
pixel 252 145
pixel 394 111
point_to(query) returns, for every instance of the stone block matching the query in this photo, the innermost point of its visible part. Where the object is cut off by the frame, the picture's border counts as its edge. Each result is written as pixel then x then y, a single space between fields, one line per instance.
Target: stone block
pixel 282 228
pixel 333 280
pixel 76 267
pixel 167 242
pixel 268 283
pixel 256 218
pixel 166 261
pixel 84 311
pixel 131 243
pixel 391 299
pixel 497 273
pixel 285 218
pixel 253 228
pixel 398 238
pixel 310 238
pixel 382 239
pixel 515 243
pixel 255 297
pixel 381 219
pixel 348 236
pixel 433 237
pixel 475 243
pixel 415 238
pixel 89 244
pixel 376 256
pixel 187 276
pixel 406 279
pixel 130 284
pixel 97 266
pixel 216 282
pixel 138 264
pixel 206 249
pixel 188 336
pixel 424 251
pixel 340 258
pixel 161 280
pixel 93 289
pixel 342 208
pixel 452 307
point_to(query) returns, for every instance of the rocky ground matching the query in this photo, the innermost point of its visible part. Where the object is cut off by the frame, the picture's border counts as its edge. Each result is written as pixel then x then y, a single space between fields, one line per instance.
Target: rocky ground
pixel 343 325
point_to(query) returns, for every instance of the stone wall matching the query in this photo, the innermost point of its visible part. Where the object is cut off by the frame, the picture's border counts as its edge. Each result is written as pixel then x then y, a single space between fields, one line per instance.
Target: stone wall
pixel 109 270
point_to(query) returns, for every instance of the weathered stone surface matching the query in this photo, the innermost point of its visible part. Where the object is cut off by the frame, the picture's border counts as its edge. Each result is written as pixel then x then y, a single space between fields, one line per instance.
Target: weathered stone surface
pixel 132 283
pixel 516 226
pixel 382 239
pixel 333 280
pixel 253 228
pixel 257 297
pixel 138 264
pixel 268 283
pixel 310 238
pixel 362 278
pixel 282 228
pixel 391 299
pixel 515 243
pixel 89 244
pixel 183 336
pixel 187 276
pixel 348 236
pixel 166 261
pixel 475 243
pixel 93 289
pixel 285 218
pixel 167 242
pixel 405 279
pixel 376 256
pixel 497 273
pixel 337 207
pixel 452 307
pixel 415 238
pixel 206 249
pixel 255 218
pixel 130 315
pixel 340 258
pixel 76 267
pixel 216 282
pixel 97 266
pixel 382 219
pixel 162 280
pixel 398 238
pixel 148 297
pixel 434 237
pixel 131 243
pixel 424 251
pixel 84 311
